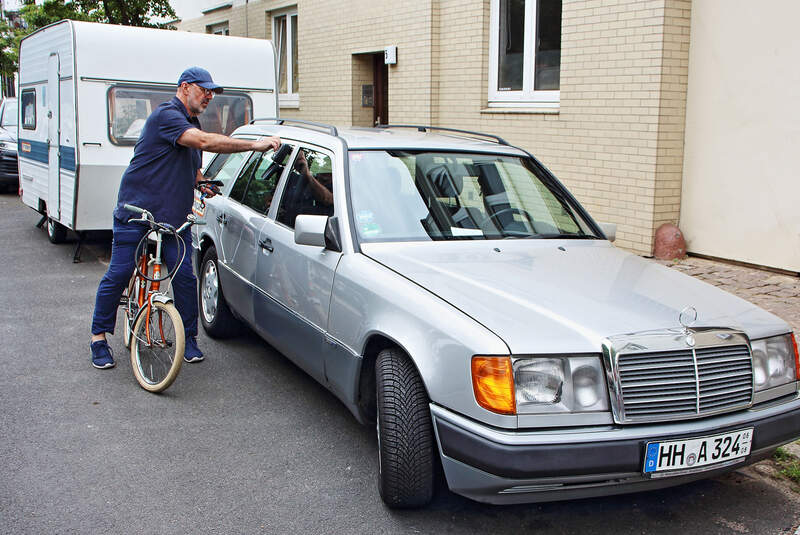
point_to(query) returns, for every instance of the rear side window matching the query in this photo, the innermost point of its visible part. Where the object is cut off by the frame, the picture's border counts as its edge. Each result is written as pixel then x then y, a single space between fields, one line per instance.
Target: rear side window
pixel 129 108
pixel 224 166
pixel 28 103
pixel 256 184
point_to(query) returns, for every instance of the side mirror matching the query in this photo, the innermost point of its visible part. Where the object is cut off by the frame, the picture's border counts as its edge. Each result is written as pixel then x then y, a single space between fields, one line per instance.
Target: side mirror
pixel 610 230
pixel 310 230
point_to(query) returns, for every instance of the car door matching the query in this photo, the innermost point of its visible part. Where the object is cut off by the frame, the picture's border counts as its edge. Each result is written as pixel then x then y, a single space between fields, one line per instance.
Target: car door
pixel 240 224
pixel 299 278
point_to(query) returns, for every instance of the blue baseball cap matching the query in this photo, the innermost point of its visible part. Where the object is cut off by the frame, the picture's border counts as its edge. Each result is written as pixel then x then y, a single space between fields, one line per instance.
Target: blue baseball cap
pixel 201 77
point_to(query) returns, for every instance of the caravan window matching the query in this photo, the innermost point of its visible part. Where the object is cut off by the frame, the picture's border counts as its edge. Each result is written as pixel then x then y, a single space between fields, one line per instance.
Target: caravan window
pixel 28 99
pixel 129 107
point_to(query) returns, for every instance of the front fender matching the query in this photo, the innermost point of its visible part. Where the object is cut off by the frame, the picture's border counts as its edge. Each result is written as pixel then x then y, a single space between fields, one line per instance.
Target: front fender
pixel 369 299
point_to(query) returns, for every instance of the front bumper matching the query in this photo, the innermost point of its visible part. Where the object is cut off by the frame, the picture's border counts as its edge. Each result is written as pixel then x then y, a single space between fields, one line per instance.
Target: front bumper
pixel 9 168
pixel 500 466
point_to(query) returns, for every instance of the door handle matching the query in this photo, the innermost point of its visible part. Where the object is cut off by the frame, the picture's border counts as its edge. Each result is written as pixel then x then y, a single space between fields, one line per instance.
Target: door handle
pixel 266 244
pixel 222 219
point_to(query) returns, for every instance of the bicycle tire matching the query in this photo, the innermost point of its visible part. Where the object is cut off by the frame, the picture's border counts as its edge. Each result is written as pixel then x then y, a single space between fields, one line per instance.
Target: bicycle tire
pixel 154 365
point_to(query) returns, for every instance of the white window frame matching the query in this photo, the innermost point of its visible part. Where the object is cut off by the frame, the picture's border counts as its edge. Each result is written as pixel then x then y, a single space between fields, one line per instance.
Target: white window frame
pixel 219 28
pixel 291 99
pixel 527 97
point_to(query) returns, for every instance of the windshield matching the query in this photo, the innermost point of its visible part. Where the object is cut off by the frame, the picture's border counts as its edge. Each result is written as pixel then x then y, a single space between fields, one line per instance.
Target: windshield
pixel 9 114
pixel 415 195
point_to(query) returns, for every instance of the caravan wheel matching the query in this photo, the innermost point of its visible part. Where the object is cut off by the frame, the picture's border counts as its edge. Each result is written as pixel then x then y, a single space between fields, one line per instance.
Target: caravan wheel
pixel 56 232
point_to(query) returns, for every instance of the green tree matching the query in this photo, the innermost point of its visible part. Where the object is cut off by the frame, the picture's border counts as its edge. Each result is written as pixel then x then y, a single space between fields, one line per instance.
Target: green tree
pixel 124 12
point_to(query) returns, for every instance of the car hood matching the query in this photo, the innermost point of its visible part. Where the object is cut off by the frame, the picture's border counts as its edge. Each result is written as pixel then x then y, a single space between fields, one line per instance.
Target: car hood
pixel 555 296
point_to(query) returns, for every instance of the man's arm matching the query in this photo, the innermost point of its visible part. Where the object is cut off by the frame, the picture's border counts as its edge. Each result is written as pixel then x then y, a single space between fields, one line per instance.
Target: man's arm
pixel 320 192
pixel 197 139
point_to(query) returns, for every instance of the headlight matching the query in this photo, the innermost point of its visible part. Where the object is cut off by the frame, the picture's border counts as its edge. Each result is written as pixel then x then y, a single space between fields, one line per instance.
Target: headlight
pixel 539 385
pixel 560 384
pixel 775 361
pixel 8 146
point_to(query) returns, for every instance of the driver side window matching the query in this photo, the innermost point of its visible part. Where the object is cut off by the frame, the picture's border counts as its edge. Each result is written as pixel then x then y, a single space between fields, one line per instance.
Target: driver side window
pixel 309 187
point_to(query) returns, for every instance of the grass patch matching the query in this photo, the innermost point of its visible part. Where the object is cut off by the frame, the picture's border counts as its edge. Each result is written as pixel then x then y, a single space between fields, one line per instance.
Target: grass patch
pixel 789 464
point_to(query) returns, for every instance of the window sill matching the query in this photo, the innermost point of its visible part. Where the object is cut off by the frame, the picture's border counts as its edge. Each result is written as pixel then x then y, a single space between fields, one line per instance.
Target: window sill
pixel 289 101
pixel 532 110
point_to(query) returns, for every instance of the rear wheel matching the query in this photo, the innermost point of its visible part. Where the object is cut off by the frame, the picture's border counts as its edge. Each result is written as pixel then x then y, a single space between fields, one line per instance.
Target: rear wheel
pixel 405 433
pixel 217 319
pixel 157 346
pixel 56 232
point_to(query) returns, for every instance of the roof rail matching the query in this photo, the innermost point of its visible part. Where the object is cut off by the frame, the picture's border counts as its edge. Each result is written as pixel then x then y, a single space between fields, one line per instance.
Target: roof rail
pixel 423 128
pixel 302 124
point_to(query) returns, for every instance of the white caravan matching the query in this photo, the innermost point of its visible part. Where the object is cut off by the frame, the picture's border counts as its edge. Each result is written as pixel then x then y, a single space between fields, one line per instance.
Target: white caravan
pixel 85 90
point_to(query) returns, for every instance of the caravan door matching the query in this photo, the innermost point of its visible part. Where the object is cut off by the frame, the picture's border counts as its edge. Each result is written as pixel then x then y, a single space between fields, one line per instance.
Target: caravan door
pixel 53 138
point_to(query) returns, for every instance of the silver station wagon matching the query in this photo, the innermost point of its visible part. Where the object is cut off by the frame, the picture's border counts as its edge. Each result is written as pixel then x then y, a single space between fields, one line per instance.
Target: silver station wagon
pixel 449 290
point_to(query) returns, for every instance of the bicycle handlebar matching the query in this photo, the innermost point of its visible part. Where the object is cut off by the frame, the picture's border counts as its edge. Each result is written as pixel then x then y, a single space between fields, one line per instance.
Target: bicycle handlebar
pixel 138 210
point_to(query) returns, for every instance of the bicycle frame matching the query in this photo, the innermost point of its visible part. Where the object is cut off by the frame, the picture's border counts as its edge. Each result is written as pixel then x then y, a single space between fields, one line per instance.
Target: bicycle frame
pixel 144 291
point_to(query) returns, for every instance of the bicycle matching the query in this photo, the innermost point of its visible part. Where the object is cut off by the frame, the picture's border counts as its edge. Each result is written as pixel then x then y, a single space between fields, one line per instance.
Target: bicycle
pixel 153 329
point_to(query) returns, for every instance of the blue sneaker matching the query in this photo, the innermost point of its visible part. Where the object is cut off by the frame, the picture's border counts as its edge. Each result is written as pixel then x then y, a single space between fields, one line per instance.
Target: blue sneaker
pixel 192 353
pixel 102 356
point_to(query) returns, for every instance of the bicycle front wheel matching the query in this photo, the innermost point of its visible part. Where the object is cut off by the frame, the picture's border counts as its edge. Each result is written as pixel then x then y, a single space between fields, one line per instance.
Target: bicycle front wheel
pixel 157 346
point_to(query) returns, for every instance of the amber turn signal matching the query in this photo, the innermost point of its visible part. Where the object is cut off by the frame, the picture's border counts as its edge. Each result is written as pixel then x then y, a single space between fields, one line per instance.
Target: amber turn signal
pixel 796 357
pixel 493 384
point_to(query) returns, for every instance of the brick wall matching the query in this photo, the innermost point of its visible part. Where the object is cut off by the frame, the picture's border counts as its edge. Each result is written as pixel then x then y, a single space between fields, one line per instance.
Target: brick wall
pixel 617 139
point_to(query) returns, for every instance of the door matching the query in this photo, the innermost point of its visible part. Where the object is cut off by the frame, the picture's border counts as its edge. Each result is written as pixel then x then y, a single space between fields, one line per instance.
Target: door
pixel 53 138
pixel 244 215
pixel 380 77
pixel 299 277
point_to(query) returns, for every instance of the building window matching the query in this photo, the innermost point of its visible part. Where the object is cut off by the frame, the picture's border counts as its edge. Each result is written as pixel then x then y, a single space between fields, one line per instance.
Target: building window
pixel 525 53
pixel 284 35
pixel 219 29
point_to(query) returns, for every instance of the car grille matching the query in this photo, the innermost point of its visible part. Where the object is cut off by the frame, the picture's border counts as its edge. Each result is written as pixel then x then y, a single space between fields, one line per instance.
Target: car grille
pixel 669 385
pixel 8 165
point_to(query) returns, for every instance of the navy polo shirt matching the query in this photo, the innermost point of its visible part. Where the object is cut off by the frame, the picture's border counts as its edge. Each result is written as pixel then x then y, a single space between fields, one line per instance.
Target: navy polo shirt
pixel 162 173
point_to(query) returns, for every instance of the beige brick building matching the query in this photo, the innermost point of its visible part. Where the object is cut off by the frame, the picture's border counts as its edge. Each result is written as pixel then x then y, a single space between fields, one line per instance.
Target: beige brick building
pixel 609 121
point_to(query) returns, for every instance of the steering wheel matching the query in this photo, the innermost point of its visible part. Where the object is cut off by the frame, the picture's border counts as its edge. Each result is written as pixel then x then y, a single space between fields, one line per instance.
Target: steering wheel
pixel 511 210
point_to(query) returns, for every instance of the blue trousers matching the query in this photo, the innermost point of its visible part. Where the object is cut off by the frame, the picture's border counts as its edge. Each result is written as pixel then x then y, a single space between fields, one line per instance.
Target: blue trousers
pixel 116 279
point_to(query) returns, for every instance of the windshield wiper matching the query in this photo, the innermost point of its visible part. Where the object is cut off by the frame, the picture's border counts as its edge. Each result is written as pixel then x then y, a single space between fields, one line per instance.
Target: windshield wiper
pixel 565 236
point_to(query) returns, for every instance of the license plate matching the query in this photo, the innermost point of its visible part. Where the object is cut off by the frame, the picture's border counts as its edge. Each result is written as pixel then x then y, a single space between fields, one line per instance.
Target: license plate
pixel 694 453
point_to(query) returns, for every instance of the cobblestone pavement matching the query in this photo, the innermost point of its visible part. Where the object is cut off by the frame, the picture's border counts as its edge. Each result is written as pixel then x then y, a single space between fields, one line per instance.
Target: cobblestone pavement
pixel 777 293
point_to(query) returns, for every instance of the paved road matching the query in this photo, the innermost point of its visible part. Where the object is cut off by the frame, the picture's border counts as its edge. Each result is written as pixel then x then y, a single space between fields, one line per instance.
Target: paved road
pixel 244 442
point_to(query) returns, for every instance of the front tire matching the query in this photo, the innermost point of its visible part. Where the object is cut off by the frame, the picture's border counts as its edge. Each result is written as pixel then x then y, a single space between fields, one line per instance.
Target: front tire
pixel 56 232
pixel 215 315
pixel 405 433
pixel 157 346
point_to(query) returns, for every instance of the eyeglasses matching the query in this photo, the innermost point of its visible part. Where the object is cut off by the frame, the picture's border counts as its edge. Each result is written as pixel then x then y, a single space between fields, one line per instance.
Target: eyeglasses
pixel 206 92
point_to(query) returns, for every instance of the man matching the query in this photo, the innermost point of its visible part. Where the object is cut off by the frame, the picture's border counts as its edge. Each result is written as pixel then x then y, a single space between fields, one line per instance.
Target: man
pixel 160 178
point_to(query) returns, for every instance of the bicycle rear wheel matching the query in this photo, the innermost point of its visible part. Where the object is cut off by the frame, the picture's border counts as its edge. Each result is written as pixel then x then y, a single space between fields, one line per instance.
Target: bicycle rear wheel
pixel 157 346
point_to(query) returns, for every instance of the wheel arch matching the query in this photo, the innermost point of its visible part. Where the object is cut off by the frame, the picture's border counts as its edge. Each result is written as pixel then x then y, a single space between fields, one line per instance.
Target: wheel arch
pixel 374 344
